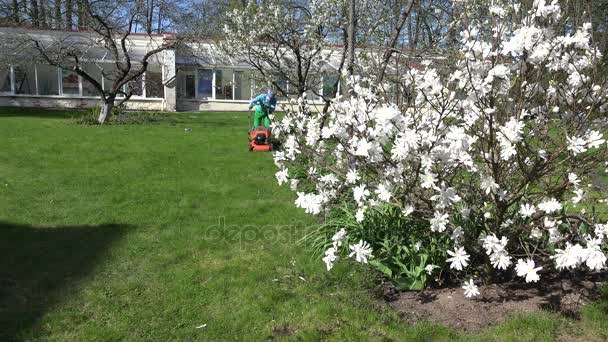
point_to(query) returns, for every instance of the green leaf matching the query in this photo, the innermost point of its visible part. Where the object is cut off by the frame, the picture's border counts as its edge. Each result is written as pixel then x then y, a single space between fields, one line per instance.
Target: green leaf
pixel 381 267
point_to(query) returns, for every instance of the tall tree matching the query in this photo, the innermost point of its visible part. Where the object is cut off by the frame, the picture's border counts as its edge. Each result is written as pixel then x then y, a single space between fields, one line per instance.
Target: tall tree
pixel 110 24
pixel 15 12
pixel 57 18
pixel 69 9
pixel 42 15
pixel 81 14
pixel 34 13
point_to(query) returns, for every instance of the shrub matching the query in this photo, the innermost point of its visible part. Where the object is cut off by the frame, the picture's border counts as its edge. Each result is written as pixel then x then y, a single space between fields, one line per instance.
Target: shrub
pixel 120 116
pixel 493 158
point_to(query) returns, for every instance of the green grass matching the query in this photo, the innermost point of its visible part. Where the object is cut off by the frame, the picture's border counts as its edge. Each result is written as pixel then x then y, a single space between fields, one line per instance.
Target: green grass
pixel 148 232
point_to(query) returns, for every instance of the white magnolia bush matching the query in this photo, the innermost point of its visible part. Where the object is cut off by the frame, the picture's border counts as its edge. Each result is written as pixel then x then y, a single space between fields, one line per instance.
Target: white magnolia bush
pixel 498 150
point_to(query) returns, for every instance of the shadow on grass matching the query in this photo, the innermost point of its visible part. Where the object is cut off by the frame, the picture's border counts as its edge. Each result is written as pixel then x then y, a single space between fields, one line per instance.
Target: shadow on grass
pixel 40 266
pixel 43 113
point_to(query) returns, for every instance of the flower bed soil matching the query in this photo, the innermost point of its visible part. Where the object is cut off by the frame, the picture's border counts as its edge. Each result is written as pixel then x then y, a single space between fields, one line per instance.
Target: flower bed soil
pixel 449 306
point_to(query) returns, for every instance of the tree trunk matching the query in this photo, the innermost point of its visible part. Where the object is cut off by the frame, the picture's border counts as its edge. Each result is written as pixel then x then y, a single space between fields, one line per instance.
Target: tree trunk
pixel 34 13
pixel 81 17
pixel 69 9
pixel 106 110
pixel 149 16
pixel 57 15
pixel 16 19
pixel 351 44
pixel 42 5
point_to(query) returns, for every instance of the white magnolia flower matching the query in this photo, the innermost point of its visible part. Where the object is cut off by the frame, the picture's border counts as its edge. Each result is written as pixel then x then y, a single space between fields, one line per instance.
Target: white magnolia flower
pixel 311 203
pixel 429 268
pixel 282 176
pixel 360 251
pixel 352 177
pixel 457 234
pixel 330 257
pixel 383 193
pixel 428 180
pixel 527 210
pixel 446 197
pixel 550 205
pixel 470 289
pixel 459 259
pixel 577 145
pixel 579 195
pixel 594 139
pixel 293 184
pixel 492 244
pixel 601 230
pixel 439 222
pixel 360 215
pixel 488 185
pixel 363 147
pixel 536 233
pixel 360 193
pixel 407 211
pixel 573 179
pixel 338 237
pixel 500 260
pixel 525 268
pixel 596 260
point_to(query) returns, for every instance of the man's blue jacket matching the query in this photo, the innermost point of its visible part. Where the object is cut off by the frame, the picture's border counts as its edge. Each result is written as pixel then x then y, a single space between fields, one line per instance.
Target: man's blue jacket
pixel 263 104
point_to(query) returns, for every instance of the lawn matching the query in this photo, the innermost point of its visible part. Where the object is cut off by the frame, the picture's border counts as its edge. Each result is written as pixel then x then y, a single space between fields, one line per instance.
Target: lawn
pixel 156 232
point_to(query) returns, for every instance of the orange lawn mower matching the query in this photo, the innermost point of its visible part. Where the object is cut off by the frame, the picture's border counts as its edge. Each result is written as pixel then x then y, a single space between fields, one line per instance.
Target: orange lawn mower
pixel 259 137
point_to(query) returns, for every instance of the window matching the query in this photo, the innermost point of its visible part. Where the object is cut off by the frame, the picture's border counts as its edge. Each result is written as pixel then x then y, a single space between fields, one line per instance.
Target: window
pixel 25 79
pixel 315 88
pixel 110 76
pixel 70 83
pixel 135 86
pixel 223 84
pixel 185 83
pixel 205 83
pixel 93 70
pixel 5 80
pixel 282 83
pixel 329 90
pixel 242 85
pixel 154 82
pixel 260 85
pixel 48 81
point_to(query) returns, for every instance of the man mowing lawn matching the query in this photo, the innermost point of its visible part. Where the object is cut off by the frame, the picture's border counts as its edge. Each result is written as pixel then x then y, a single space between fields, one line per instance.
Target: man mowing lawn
pixel 265 105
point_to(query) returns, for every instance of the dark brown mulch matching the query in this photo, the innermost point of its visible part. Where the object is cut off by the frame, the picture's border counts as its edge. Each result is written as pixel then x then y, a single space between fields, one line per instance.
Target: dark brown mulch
pixel 449 306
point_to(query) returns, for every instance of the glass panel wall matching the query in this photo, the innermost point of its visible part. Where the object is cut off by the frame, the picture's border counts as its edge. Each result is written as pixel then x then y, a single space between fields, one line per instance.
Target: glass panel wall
pixel 135 86
pixel 242 85
pixel 93 70
pixel 25 79
pixel 5 80
pixel 223 84
pixel 205 83
pixel 313 94
pixel 282 83
pixel 186 83
pixel 329 90
pixel 260 85
pixel 110 76
pixel 48 80
pixel 154 82
pixel 70 82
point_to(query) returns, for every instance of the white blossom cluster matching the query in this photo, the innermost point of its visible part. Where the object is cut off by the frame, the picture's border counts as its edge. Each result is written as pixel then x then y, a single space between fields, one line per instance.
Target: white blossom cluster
pixel 495 141
pixel 360 251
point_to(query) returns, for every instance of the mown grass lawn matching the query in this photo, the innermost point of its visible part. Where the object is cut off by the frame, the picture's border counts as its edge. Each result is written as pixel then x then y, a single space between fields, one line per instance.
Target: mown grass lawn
pixel 152 232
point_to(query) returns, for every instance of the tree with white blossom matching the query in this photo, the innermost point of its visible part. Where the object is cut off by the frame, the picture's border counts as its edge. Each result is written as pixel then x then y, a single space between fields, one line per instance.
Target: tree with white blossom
pixel 498 149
